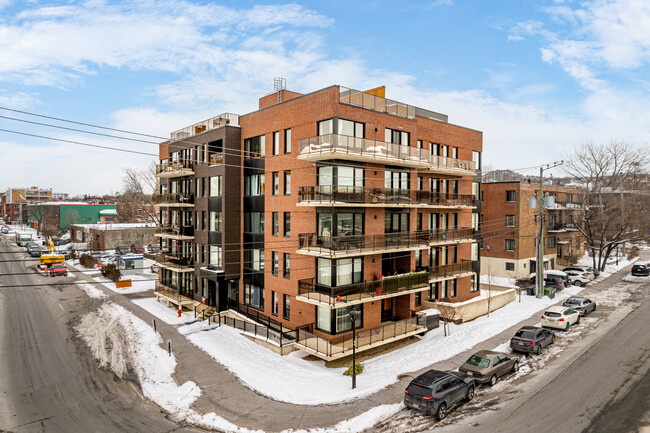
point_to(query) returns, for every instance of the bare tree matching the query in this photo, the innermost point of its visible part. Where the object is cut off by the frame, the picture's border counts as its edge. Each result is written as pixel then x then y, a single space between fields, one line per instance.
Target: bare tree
pixel 135 201
pixel 448 314
pixel 615 198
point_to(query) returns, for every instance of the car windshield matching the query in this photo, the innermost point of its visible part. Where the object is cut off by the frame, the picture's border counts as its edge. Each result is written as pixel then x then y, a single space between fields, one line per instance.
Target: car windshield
pixel 525 334
pixel 552 314
pixel 478 361
pixel 572 301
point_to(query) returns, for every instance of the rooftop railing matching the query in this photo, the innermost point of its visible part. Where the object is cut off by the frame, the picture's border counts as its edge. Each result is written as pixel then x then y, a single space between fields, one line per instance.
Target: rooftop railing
pixel 206 125
pixel 390 196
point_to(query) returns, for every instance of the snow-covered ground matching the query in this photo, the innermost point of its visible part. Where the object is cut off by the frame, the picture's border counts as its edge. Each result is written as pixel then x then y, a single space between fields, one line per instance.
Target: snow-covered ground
pixel 139 283
pixel 160 309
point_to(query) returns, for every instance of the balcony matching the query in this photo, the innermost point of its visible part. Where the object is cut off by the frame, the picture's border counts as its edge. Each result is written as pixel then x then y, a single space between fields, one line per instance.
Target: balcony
pixel 342 246
pixel 175 232
pixel 173 200
pixel 326 195
pixel 379 152
pixel 206 125
pixel 169 292
pixel 184 167
pixel 560 228
pixel 311 292
pixel 177 263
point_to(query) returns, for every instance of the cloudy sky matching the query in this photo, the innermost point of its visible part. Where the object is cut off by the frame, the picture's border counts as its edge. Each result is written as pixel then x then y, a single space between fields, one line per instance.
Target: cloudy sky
pixel 536 76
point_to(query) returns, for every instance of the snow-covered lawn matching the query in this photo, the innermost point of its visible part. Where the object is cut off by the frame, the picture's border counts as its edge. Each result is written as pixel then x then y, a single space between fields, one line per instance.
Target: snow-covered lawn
pixel 635 279
pixel 139 283
pixel 292 379
pixel 160 309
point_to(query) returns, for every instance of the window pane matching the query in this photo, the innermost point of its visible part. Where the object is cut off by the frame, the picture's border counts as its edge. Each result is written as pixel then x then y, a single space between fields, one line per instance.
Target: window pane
pixel 326 127
pixel 324 272
pixel 343 272
pixel 324 319
pixel 325 176
pixel 346 127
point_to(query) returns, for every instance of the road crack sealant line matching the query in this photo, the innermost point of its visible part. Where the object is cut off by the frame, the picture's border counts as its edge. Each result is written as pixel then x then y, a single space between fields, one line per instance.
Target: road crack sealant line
pixel 577 357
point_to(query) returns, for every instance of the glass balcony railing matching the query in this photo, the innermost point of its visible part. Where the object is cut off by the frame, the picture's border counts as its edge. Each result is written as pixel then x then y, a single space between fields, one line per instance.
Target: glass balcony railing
pixel 171 230
pixel 384 286
pixel 206 125
pixel 384 196
pixel 172 199
pixel 357 244
pixel 356 148
pixel 184 167
pixel 175 261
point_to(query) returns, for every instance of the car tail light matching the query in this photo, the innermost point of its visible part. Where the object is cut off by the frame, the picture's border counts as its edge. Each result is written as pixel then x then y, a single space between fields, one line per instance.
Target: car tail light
pixel 407 391
pixel 479 374
pixel 426 397
pixel 512 340
pixel 561 320
pixel 530 343
pixel 462 370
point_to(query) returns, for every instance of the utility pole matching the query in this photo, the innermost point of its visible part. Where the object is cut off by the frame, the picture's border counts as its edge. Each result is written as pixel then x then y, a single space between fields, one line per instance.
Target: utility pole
pixel 540 239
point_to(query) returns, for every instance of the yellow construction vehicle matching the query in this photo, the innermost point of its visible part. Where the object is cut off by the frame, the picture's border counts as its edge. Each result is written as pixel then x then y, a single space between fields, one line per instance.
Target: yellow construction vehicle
pixel 51 257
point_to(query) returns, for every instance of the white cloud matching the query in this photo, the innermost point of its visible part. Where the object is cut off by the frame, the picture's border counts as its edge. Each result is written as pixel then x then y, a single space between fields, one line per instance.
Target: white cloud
pixel 17 101
pixel 442 3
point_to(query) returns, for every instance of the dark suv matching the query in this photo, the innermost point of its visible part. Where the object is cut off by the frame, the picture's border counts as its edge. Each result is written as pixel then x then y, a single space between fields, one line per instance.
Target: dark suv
pixel 435 391
pixel 531 339
pixel 641 270
pixel 122 250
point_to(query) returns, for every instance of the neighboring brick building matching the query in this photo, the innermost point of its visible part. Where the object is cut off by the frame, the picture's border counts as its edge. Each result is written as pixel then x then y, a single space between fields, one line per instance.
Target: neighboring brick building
pixel 316 203
pixel 52 217
pixel 106 236
pixel 509 228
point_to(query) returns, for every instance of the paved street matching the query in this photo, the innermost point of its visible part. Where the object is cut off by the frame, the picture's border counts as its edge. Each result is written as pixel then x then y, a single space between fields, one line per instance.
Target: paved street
pixel 49 381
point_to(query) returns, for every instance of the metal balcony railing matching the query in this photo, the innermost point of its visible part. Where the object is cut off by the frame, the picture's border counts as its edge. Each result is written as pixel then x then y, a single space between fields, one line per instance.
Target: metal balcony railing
pixel 379 242
pixel 386 285
pixel 184 167
pixel 175 261
pixel 166 229
pixel 396 154
pixel 388 196
pixel 172 198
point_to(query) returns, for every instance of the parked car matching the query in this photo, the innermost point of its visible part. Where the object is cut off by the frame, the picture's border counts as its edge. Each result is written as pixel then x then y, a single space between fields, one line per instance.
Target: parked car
pixel 582 305
pixel 153 248
pixel 554 281
pixel 5 230
pixel 435 391
pixel 107 259
pixel 58 269
pixel 531 339
pixel 137 248
pixel 641 270
pixel 588 270
pixel 487 366
pixel 552 277
pixel 121 250
pixel 58 242
pixel 560 317
pixel 578 278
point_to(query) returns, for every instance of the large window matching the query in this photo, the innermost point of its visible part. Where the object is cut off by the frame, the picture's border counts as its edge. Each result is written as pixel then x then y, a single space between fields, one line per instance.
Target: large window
pixel 337 320
pixel 254 147
pixel 287 224
pixel 216 255
pixel 254 222
pixel 254 184
pixel 215 186
pixel 510 195
pixel 396 136
pixel 551 242
pixel 254 296
pixel 510 244
pixel 340 175
pixel 326 127
pixel 396 179
pixel 348 127
pixel 339 272
pixel 215 221
pixel 396 222
pixel 254 259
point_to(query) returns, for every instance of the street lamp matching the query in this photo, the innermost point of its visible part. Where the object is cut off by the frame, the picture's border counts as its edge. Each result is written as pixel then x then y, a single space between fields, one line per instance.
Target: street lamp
pixel 354 315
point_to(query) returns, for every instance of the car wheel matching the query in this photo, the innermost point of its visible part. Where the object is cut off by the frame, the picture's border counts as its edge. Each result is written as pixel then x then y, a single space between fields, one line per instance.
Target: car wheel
pixel 566 327
pixel 578 283
pixel 594 308
pixel 493 380
pixel 441 413
pixel 515 367
pixel 470 394
pixel 553 339
pixel 538 349
pixel 578 320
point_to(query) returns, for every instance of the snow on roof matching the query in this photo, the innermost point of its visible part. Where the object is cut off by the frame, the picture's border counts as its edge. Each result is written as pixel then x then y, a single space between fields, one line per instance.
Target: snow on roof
pixel 108 212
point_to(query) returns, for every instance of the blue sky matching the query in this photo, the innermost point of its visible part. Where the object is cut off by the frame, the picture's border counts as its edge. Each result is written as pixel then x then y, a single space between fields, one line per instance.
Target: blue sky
pixel 537 77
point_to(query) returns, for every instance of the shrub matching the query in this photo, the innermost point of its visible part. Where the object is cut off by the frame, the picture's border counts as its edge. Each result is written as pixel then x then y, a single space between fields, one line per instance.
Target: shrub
pixel 73 254
pixel 111 272
pixel 634 252
pixel 86 260
pixel 359 370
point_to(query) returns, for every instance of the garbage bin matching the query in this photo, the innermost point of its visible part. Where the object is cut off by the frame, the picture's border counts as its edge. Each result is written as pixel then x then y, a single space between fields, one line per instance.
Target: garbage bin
pixel 530 291
pixel 550 292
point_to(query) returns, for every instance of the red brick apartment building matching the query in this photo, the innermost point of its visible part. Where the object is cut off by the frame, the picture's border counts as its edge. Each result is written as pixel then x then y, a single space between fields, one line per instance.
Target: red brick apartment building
pixel 509 228
pixel 318 203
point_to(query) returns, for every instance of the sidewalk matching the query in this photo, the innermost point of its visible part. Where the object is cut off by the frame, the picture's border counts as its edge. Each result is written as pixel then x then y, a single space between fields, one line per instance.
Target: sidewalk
pixel 223 393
